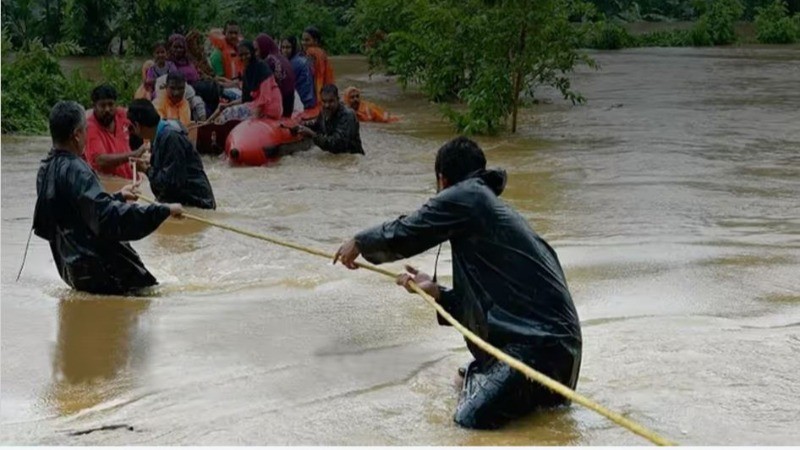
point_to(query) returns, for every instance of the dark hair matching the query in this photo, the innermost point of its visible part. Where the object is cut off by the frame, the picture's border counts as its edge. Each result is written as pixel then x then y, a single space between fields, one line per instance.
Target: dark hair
pixel 459 158
pixel 104 92
pixel 249 46
pixel 292 40
pixel 210 91
pixel 141 111
pixel 229 23
pixel 329 89
pixel 159 44
pixel 65 118
pixel 176 75
pixel 314 33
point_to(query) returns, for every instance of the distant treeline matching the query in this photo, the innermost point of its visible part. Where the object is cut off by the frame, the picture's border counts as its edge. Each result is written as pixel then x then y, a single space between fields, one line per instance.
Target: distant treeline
pixel 671 10
pixel 99 26
pixel 115 26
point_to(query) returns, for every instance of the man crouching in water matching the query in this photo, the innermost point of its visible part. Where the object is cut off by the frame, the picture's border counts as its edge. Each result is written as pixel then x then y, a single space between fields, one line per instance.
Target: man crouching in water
pixel 336 129
pixel 508 286
pixel 87 228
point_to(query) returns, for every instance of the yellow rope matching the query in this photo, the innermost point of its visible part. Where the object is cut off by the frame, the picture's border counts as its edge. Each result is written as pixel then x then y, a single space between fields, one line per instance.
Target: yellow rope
pixel 487 347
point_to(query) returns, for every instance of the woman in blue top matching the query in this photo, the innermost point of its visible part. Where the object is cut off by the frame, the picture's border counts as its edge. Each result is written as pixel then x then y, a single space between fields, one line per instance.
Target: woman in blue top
pixel 304 79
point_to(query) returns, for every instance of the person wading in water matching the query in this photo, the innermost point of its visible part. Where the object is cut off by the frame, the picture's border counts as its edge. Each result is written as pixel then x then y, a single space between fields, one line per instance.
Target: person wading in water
pixel 508 286
pixel 87 228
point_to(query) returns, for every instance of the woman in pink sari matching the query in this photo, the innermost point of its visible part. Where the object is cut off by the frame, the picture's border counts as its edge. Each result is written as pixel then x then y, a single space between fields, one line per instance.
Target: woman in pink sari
pixel 281 67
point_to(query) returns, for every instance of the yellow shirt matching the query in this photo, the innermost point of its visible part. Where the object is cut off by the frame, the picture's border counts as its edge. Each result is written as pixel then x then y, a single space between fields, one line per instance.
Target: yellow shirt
pixel 173 111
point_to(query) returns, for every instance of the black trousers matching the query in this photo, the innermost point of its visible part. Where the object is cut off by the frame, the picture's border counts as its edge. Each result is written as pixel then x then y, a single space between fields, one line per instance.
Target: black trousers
pixel 493 393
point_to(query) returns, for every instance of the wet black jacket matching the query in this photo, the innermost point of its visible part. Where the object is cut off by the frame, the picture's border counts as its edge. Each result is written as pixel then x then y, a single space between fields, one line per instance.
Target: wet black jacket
pixel 508 286
pixel 87 227
pixel 176 172
pixel 339 133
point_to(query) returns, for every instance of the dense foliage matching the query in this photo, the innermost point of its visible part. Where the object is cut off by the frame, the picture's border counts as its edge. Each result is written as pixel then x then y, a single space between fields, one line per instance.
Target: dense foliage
pixel 488 55
pixel 33 81
pixel 714 26
pixel 775 26
pixel 481 59
pixel 100 26
pixel 672 10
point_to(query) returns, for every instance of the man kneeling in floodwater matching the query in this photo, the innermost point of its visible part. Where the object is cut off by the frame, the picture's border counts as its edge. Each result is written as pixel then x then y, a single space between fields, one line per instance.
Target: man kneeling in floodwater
pixel 88 228
pixel 176 171
pixel 336 129
pixel 508 286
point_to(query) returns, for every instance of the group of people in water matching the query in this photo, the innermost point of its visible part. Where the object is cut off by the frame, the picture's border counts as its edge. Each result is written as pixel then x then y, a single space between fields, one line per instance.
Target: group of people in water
pixel 508 284
pixel 242 78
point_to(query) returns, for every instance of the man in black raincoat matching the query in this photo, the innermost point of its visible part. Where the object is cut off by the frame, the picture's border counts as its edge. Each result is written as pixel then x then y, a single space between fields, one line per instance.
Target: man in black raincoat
pixel 336 129
pixel 176 170
pixel 508 286
pixel 88 228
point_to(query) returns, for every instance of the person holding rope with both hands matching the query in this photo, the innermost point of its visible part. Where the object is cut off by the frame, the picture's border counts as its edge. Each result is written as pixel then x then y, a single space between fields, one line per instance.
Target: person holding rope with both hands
pixel 508 286
pixel 87 228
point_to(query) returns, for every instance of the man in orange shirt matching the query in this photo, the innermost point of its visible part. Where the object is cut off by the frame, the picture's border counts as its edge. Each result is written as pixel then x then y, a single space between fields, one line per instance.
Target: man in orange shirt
pixel 171 105
pixel 108 144
pixel 226 56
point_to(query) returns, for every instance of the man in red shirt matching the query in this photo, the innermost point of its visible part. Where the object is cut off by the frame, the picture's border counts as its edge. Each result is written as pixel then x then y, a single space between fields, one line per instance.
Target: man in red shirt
pixel 108 147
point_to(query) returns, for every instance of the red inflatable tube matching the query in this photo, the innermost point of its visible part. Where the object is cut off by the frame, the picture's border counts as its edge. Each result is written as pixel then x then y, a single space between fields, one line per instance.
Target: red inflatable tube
pixel 260 142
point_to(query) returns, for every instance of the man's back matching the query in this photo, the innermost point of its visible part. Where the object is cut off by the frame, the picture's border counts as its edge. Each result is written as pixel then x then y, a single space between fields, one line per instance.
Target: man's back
pixel 514 274
pixel 87 227
pixel 508 284
pixel 176 173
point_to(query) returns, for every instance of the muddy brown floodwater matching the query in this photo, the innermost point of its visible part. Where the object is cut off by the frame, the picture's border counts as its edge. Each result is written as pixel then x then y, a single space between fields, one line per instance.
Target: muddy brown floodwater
pixel 671 199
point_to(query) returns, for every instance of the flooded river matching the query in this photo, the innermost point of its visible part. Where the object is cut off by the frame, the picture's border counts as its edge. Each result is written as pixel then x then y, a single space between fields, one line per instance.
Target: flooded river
pixel 671 199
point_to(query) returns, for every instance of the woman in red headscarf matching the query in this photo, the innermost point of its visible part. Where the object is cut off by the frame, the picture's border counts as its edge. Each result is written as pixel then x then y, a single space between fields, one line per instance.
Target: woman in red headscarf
pixel 281 68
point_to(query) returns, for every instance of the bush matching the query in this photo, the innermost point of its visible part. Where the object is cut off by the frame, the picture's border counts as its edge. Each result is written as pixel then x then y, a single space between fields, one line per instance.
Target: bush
pixel 774 26
pixel 715 26
pixel 609 36
pixel 77 87
pixel 483 55
pixel 32 82
pixel 667 38
pixel 123 75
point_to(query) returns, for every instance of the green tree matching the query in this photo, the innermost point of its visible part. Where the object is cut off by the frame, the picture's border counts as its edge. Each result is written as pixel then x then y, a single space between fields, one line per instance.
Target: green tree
pixel 89 23
pixel 488 55
pixel 280 18
pixel 717 20
pixel 774 26
pixel 33 81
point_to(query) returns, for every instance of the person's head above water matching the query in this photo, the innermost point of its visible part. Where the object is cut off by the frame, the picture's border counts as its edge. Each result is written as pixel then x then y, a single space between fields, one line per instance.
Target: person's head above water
pixel 144 119
pixel 289 47
pixel 176 86
pixel 104 104
pixel 311 38
pixel 329 96
pixel 177 48
pixel 160 53
pixel 456 160
pixel 352 97
pixel 68 127
pixel 246 51
pixel 231 33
